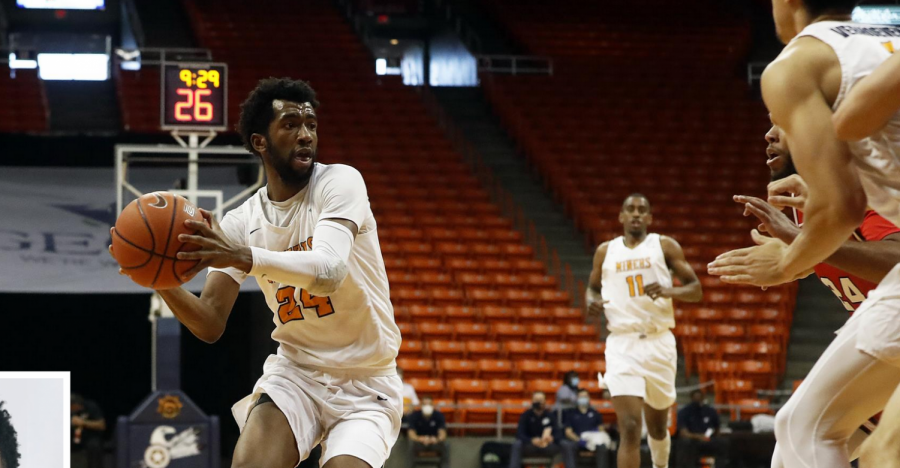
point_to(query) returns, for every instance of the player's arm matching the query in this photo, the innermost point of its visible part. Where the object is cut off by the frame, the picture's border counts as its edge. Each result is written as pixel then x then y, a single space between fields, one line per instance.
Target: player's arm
pixel 870 260
pixel 871 103
pixel 835 204
pixel 204 316
pixel 571 435
pixel 593 299
pixel 690 290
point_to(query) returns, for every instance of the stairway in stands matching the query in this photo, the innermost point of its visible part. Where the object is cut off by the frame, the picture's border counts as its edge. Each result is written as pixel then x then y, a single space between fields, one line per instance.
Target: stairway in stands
pixel 474 116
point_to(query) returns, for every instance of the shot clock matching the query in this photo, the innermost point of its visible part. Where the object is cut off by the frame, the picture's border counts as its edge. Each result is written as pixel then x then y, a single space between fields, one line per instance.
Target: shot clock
pixel 194 96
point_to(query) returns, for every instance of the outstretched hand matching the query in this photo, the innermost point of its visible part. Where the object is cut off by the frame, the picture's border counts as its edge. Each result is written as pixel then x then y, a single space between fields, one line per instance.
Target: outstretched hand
pixel 759 265
pixel 216 250
pixel 772 220
pixel 788 192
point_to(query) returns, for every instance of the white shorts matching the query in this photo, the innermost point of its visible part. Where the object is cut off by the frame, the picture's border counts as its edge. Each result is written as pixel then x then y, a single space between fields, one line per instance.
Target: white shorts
pixel 878 319
pixel 642 365
pixel 348 415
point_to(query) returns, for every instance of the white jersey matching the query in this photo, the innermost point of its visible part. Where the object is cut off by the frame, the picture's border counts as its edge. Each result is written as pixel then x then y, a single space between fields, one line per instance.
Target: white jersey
pixel 351 330
pixel 625 273
pixel 860 49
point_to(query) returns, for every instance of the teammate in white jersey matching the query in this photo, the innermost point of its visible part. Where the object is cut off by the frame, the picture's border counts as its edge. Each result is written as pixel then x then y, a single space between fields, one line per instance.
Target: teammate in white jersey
pixel 310 240
pixel 825 57
pixel 631 283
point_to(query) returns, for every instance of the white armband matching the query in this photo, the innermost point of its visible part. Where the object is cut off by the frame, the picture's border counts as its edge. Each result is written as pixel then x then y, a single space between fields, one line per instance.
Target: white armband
pixel 319 271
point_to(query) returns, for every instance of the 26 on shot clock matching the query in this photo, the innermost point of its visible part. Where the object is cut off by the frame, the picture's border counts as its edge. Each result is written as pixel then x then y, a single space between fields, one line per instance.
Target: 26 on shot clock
pixel 194 96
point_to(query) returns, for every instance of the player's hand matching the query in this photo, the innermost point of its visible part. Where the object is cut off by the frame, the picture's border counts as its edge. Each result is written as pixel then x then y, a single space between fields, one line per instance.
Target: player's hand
pixel 216 250
pixel 655 291
pixel 759 265
pixel 780 192
pixel 774 222
pixel 77 421
pixel 596 308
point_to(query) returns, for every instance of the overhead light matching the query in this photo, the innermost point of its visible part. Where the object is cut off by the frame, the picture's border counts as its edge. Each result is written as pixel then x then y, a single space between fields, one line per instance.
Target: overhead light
pixel 15 62
pixel 380 66
pixel 78 67
pixel 394 42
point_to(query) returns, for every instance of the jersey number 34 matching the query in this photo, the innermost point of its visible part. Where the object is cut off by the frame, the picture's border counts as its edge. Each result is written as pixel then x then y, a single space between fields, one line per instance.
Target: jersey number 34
pixel 288 309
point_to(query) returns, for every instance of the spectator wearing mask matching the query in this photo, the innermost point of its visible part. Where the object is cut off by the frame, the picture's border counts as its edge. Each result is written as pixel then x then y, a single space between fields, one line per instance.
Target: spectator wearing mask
pixel 583 430
pixel 568 391
pixel 698 429
pixel 428 433
pixel 535 434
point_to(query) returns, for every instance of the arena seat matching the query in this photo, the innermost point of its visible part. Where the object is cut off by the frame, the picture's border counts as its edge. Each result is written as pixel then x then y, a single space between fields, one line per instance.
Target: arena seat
pixel 483 349
pixel 416 368
pixel 495 369
pixel 501 389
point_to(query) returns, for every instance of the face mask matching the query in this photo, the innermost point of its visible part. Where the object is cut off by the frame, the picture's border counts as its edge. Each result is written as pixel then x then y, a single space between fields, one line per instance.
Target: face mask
pixel 583 402
pixel 537 405
pixel 575 381
pixel 427 410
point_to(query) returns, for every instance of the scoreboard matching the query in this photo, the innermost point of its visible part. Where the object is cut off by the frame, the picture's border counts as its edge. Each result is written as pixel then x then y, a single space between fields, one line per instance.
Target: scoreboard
pixel 194 96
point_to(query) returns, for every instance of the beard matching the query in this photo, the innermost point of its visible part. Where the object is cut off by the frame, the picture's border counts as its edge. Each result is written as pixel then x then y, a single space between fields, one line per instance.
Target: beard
pixel 282 165
pixel 786 171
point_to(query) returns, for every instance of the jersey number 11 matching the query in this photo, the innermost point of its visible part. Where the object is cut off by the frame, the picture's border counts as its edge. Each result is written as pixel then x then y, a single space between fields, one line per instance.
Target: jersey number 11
pixel 636 280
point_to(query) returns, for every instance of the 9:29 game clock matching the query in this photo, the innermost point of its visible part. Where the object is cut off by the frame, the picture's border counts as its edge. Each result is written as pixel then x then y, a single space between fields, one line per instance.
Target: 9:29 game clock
pixel 194 96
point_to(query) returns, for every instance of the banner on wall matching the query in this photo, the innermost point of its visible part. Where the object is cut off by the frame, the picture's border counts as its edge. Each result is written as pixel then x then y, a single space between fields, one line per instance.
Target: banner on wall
pixel 54 233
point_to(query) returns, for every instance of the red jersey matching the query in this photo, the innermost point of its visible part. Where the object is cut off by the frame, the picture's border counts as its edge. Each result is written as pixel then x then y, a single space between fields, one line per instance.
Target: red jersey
pixel 850 289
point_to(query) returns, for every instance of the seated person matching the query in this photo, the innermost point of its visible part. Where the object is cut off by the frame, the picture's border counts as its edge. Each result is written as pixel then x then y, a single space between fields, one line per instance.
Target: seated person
pixel 698 429
pixel 583 430
pixel 535 434
pixel 428 433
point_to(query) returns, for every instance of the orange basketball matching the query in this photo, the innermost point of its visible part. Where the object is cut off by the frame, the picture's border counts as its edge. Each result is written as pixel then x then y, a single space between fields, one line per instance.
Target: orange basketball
pixel 145 240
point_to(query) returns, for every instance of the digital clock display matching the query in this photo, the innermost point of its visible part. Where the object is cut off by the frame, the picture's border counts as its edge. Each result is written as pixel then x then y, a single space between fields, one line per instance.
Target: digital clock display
pixel 194 96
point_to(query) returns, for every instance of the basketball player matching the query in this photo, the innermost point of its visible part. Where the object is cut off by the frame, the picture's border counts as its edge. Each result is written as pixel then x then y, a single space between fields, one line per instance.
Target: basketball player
pixel 856 375
pixel 631 283
pixel 854 269
pixel 310 240
pixel 9 444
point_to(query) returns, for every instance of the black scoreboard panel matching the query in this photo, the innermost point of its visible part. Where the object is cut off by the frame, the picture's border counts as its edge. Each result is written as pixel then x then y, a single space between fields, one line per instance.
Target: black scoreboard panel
pixel 194 96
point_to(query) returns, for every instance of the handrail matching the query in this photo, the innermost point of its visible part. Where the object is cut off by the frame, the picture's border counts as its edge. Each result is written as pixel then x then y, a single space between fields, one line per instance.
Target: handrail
pixel 499 425
pixel 515 64
pixel 754 72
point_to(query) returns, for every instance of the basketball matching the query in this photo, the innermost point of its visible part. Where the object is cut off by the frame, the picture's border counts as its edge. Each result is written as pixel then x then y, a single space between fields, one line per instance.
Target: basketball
pixel 145 240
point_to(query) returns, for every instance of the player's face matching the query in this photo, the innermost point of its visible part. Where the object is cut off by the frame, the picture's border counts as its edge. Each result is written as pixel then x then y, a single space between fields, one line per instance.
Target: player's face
pixel 292 142
pixel 635 215
pixel 778 155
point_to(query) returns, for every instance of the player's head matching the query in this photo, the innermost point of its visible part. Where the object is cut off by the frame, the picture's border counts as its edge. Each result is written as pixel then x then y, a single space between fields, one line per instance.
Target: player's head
pixel 635 215
pixel 697 396
pixel 278 123
pixel 791 16
pixel 778 154
pixel 9 444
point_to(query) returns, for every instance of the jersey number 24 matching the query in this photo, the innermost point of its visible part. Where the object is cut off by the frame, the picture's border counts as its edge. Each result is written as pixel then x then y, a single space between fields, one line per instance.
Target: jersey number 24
pixel 288 309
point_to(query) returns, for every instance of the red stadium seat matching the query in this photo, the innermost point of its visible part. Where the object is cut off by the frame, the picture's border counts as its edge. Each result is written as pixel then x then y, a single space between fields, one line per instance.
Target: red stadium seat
pixel 582 368
pixel 411 349
pixel 506 388
pixel 543 333
pixel 443 296
pixel 728 390
pixel 471 331
pixel 493 314
pixel 750 407
pixel 516 350
pixel 495 369
pixel 509 331
pixel 422 313
pixel 554 298
pixel 548 386
pixel 591 350
pixel 457 369
pixel 441 349
pixel 431 387
pixel 461 389
pixel 734 350
pixel 558 351
pixel 436 331
pixel 568 316
pixel 581 333
pixel 534 315
pixel 532 369
pixel 416 368
pixel 519 298
pixel 408 330
pixel 461 314
pixel 482 349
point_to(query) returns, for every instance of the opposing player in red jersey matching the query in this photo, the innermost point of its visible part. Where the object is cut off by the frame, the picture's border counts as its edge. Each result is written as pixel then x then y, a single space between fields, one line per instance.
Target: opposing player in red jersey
pixel 852 271
pixel 858 266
